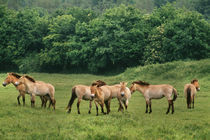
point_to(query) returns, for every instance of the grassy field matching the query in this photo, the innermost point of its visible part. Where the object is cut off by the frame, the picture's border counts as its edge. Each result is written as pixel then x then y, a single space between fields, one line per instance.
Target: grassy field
pixel 18 122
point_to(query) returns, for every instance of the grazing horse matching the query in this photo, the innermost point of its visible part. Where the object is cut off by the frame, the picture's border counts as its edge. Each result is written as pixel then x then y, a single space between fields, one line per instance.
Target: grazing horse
pixel 155 92
pixel 37 88
pixel 12 78
pixel 189 91
pixel 124 96
pixel 81 92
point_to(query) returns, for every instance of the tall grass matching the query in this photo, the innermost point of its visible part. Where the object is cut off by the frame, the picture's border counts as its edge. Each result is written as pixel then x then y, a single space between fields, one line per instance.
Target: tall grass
pixel 18 122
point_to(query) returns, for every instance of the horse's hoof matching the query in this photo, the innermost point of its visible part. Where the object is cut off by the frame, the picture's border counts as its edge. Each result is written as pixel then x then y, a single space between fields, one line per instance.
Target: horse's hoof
pixel 89 112
pixel 172 112
pixel 167 112
pixel 146 111
pixel 150 112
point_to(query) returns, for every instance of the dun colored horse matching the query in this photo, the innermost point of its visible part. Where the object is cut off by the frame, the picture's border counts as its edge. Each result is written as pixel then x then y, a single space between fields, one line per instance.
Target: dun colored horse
pixel 124 96
pixel 80 92
pixel 37 88
pixel 190 91
pixel 12 78
pixel 155 92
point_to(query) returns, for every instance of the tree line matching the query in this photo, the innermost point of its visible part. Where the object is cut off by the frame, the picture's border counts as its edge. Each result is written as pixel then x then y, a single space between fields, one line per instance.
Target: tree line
pixel 78 39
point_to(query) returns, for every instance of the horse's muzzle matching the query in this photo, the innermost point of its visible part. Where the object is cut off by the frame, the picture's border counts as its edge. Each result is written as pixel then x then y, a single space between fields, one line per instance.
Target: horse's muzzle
pixel 122 94
pixel 16 83
pixel 4 84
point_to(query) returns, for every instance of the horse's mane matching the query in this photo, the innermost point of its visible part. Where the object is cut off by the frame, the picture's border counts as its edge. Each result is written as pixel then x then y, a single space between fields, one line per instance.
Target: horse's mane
pixel 30 78
pixel 194 80
pixel 141 83
pixel 99 83
pixel 15 75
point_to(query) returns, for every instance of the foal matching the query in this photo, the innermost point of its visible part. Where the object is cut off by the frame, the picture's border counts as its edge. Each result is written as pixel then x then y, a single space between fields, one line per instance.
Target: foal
pixel 189 91
pixel 155 92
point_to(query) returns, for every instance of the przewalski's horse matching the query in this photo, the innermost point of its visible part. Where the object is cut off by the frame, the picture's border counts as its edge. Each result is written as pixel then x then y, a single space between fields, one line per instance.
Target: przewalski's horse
pixel 107 92
pixel 12 78
pixel 101 95
pixel 190 91
pixel 37 89
pixel 124 96
pixel 155 92
pixel 82 92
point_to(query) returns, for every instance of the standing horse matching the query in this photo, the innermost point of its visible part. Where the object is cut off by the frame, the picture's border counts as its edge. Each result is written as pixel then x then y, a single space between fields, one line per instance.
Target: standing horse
pixel 12 78
pixel 101 95
pixel 124 96
pixel 189 91
pixel 105 92
pixel 80 92
pixel 155 92
pixel 37 88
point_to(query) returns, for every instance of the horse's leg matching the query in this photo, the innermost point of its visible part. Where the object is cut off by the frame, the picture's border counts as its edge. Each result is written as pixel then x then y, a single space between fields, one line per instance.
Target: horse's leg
pixel 169 106
pixel 120 105
pixel 150 106
pixel 23 98
pixel 78 103
pixel 126 104
pixel 193 101
pixel 147 103
pixel 102 107
pixel 18 98
pixel 32 100
pixel 107 106
pixel 42 99
pixel 90 106
pixel 172 104
pixel 96 108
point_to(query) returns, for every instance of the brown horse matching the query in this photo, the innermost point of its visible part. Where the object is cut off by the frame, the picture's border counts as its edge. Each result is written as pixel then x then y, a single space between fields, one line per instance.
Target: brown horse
pixel 190 91
pixel 35 88
pixel 12 78
pixel 155 92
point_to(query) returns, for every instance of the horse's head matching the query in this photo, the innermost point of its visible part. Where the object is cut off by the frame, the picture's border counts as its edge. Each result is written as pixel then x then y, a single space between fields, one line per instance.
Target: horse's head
pixel 133 87
pixel 123 88
pixel 21 80
pixel 196 84
pixel 93 89
pixel 11 78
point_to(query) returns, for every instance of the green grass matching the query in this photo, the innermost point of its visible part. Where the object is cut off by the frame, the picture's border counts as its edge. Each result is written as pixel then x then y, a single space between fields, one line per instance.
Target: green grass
pixel 18 122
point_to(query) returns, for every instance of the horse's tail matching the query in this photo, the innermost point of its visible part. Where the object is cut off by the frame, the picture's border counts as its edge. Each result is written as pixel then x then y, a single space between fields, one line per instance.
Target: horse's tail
pixel 188 95
pixel 73 96
pixel 175 94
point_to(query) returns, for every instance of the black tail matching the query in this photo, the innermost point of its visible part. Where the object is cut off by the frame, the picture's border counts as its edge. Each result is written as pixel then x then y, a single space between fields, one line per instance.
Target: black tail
pixel 188 96
pixel 175 94
pixel 73 96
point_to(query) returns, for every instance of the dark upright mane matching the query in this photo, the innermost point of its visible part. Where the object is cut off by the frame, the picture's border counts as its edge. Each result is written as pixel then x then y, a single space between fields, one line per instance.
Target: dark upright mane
pixel 99 83
pixel 29 78
pixel 15 75
pixel 194 80
pixel 141 83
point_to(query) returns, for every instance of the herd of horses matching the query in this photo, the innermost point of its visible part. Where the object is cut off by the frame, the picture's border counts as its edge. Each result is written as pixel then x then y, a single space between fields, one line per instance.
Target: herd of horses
pixel 101 93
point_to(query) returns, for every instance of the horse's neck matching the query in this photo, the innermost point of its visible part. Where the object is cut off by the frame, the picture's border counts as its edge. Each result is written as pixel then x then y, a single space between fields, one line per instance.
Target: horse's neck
pixel 141 89
pixel 98 92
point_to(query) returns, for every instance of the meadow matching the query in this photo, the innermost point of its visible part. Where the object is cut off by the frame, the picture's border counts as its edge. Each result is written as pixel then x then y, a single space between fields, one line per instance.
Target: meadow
pixel 24 122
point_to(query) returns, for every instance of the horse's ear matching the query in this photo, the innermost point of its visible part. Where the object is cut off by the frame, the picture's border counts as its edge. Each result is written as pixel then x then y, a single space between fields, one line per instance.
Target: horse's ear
pixel 121 83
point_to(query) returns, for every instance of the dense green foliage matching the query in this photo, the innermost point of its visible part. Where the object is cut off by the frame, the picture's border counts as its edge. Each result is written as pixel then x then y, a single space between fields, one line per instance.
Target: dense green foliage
pixel 18 122
pixel 76 39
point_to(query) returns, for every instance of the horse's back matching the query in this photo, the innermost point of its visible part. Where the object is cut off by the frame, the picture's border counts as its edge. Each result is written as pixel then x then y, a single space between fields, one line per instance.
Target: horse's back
pixel 83 91
pixel 191 87
pixel 159 91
